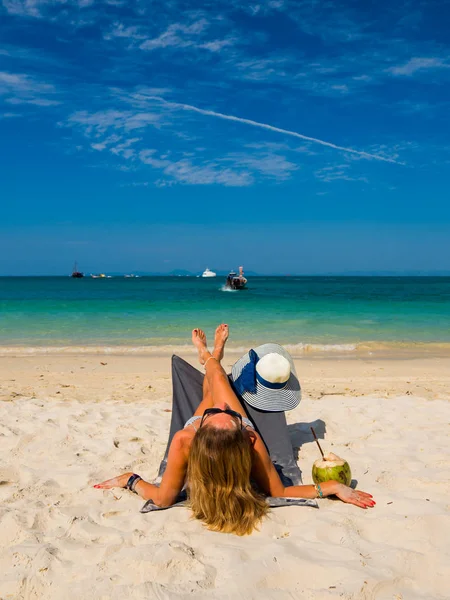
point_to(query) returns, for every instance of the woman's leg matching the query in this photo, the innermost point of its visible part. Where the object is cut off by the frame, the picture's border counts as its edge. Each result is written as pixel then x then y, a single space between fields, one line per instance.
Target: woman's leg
pixel 221 390
pixel 220 339
pixel 219 387
pixel 207 401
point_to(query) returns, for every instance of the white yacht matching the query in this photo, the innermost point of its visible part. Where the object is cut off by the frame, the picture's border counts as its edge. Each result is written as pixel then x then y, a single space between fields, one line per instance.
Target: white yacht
pixel 208 273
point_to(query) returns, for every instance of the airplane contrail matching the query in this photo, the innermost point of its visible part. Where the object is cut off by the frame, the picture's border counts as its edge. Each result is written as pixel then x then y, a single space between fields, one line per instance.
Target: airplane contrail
pixel 211 113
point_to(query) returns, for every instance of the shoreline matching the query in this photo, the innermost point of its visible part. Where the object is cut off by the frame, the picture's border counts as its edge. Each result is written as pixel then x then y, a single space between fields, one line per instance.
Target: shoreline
pixel 356 350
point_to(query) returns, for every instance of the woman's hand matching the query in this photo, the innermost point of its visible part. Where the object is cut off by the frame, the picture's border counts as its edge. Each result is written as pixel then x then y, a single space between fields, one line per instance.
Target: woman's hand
pixel 351 496
pixel 120 481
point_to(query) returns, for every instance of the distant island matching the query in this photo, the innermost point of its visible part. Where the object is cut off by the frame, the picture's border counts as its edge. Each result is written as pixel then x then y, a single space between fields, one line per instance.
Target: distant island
pixel 221 273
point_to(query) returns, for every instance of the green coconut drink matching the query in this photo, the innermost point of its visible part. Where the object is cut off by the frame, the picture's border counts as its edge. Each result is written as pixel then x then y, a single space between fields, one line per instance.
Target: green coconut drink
pixel 331 468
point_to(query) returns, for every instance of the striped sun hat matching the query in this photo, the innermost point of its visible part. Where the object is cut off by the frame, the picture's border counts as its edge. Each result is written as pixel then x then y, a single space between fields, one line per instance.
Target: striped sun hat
pixel 266 379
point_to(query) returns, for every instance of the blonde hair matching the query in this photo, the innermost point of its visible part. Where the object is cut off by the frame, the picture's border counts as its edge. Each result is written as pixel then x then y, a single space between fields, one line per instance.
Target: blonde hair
pixel 219 488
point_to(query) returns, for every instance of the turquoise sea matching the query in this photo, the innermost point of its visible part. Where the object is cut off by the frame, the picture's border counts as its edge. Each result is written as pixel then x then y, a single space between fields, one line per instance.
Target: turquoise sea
pixel 306 313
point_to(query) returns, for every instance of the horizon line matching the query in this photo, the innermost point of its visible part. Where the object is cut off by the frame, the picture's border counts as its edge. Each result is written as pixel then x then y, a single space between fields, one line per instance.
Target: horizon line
pixel 115 274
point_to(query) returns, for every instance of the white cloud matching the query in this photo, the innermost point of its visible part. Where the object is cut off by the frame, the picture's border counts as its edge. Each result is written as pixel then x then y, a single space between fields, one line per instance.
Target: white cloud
pixel 18 88
pixel 135 184
pixel 206 173
pixel 269 164
pixel 37 8
pixel 260 69
pixel 263 7
pixel 119 30
pixel 419 64
pixel 329 77
pixel 177 35
pixel 362 77
pixel 35 101
pixel 338 172
pixel 99 122
pixel 340 88
pixel 218 45
pixel 30 8
pixel 98 147
pixel 140 98
pixel 124 149
pixel 13 81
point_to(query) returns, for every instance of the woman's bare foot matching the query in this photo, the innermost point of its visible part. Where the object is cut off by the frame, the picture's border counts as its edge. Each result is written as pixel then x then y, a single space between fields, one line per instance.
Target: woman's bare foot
pixel 220 340
pixel 199 341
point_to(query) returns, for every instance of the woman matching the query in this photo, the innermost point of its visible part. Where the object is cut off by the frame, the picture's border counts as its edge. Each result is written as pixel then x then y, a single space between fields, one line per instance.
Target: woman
pixel 218 453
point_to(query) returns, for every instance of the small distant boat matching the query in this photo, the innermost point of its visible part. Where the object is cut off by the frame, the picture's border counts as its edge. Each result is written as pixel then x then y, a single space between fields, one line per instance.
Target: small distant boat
pixel 208 273
pixel 100 276
pixel 76 273
pixel 235 281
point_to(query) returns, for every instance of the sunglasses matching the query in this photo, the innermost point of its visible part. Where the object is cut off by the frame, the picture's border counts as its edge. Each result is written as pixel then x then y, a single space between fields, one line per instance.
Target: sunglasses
pixel 217 411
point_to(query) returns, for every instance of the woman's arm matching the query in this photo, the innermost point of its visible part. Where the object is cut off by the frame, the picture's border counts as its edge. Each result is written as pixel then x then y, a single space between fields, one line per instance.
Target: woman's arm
pixel 144 489
pixel 173 479
pixel 331 488
pixel 269 481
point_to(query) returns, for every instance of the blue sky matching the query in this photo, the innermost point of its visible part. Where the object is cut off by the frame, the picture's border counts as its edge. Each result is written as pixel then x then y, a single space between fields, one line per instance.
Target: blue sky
pixel 291 136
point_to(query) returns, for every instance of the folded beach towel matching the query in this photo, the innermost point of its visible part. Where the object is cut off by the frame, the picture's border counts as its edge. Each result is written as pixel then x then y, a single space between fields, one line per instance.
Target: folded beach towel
pixel 187 394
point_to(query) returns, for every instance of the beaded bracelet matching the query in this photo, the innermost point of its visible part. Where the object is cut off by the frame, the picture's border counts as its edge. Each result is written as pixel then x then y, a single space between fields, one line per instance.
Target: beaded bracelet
pixel 319 493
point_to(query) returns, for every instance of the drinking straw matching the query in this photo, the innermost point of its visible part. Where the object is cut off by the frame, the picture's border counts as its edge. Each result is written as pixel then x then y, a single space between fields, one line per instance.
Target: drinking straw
pixel 317 442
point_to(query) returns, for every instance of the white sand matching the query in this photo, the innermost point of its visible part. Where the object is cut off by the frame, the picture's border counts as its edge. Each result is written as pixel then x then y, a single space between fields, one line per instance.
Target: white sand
pixel 59 538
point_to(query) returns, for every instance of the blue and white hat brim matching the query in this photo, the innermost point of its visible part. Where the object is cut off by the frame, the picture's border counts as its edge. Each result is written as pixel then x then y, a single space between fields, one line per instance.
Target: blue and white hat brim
pixel 286 398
